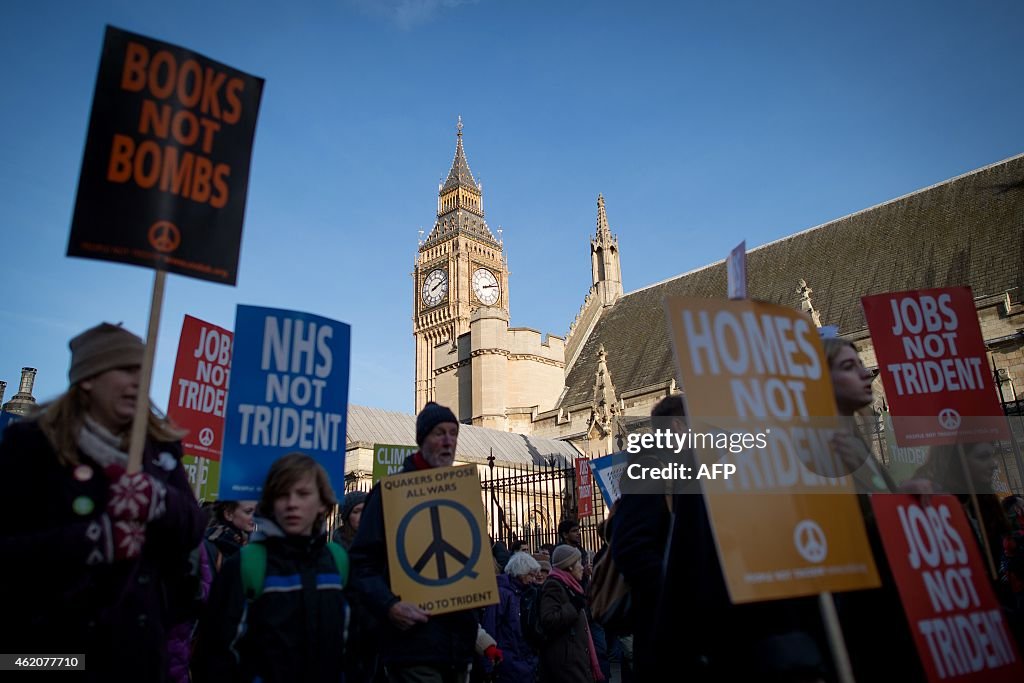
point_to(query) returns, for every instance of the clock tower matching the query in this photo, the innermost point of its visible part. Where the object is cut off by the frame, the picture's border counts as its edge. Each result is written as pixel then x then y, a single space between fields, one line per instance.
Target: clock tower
pixel 459 268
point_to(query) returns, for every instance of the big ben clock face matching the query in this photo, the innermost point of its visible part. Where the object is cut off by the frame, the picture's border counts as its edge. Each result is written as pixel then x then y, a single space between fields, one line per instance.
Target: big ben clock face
pixel 435 287
pixel 485 286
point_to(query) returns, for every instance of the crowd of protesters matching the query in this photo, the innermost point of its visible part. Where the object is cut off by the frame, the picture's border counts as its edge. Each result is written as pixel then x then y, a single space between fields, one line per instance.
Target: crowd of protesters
pixel 126 567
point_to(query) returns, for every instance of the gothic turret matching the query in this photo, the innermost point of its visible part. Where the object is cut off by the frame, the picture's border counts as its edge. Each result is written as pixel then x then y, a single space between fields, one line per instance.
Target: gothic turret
pixel 23 402
pixel 604 408
pixel 606 273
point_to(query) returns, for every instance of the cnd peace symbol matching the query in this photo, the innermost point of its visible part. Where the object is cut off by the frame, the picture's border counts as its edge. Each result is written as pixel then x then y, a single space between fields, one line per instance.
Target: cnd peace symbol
pixel 439 561
pixel 164 236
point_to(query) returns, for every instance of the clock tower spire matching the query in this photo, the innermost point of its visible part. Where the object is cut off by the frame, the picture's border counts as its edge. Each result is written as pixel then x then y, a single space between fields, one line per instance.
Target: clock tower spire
pixel 459 267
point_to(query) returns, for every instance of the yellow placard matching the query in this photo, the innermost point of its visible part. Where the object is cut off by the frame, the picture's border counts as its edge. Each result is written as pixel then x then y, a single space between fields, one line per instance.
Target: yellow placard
pixel 438 557
pixel 785 522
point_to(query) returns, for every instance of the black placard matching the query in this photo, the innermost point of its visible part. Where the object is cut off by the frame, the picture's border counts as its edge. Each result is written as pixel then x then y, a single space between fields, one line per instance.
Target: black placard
pixel 166 165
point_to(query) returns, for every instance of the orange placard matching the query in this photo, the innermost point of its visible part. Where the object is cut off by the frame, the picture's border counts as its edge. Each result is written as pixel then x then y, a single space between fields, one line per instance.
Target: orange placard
pixel 784 521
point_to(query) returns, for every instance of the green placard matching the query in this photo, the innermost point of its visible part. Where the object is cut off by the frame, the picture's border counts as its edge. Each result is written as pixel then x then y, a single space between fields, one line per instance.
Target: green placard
pixel 388 459
pixel 208 473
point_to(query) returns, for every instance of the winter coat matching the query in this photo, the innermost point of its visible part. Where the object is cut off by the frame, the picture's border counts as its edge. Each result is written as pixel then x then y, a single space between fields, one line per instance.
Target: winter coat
pixel 503 621
pixel 565 656
pixel 60 590
pixel 716 640
pixel 294 631
pixel 344 536
pixel 204 563
pixel 179 652
pixel 226 538
pixel 444 640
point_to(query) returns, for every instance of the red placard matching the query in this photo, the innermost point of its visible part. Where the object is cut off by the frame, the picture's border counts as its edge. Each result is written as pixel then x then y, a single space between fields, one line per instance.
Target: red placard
pixel 199 388
pixel 958 626
pixel 584 487
pixel 932 358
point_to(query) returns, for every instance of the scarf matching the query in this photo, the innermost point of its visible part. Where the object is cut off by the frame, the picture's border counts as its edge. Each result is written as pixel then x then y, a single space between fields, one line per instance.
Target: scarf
pixel 570 582
pixel 100 445
pixel 227 537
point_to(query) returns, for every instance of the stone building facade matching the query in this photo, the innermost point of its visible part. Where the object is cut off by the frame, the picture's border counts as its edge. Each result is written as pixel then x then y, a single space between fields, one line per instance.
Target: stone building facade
pixel 616 361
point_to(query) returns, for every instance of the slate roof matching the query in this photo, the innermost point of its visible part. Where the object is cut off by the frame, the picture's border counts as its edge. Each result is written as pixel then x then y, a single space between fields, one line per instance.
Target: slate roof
pixel 964 231
pixel 373 425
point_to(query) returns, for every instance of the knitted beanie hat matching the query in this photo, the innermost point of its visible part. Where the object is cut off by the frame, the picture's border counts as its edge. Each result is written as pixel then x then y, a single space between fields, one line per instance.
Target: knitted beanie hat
pixel 349 504
pixel 544 560
pixel 565 556
pixel 432 415
pixel 103 348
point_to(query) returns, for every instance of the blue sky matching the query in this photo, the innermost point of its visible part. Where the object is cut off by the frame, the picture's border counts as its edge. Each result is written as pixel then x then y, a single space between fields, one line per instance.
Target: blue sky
pixel 702 123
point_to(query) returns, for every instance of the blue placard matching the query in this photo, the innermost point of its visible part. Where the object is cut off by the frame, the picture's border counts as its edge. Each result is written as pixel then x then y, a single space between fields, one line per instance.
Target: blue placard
pixel 607 472
pixel 5 419
pixel 289 392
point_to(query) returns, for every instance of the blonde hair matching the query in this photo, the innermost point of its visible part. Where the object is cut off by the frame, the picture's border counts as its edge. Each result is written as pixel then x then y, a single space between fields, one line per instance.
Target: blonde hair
pixel 61 420
pixel 833 345
pixel 862 417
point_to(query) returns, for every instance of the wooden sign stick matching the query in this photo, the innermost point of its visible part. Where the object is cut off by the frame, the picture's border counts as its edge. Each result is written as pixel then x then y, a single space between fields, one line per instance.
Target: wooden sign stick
pixel 140 424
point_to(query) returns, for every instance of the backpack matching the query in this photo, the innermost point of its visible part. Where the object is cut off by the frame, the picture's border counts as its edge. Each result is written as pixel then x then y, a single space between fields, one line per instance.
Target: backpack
pixel 214 557
pixel 608 595
pixel 254 567
pixel 203 566
pixel 529 617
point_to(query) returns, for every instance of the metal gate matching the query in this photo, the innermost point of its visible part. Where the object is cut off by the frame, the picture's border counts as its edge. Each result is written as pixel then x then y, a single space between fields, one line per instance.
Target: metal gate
pixel 527 503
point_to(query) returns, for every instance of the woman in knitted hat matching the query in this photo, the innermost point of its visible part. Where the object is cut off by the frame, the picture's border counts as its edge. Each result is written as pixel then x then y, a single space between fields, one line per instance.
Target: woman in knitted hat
pixel 568 655
pixel 350 515
pixel 97 565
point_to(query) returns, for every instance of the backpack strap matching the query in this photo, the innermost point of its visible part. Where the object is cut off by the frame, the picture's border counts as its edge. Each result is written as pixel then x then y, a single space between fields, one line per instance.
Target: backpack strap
pixel 254 569
pixel 340 561
pixel 213 555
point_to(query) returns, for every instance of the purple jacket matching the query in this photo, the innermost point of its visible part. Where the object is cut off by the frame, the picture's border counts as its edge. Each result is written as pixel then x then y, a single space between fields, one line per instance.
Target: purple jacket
pixel 503 622
pixel 60 590
pixel 179 636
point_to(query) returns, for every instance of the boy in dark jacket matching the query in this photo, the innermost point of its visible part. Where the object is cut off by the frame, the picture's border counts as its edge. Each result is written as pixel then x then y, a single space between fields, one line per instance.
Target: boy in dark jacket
pixel 295 629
